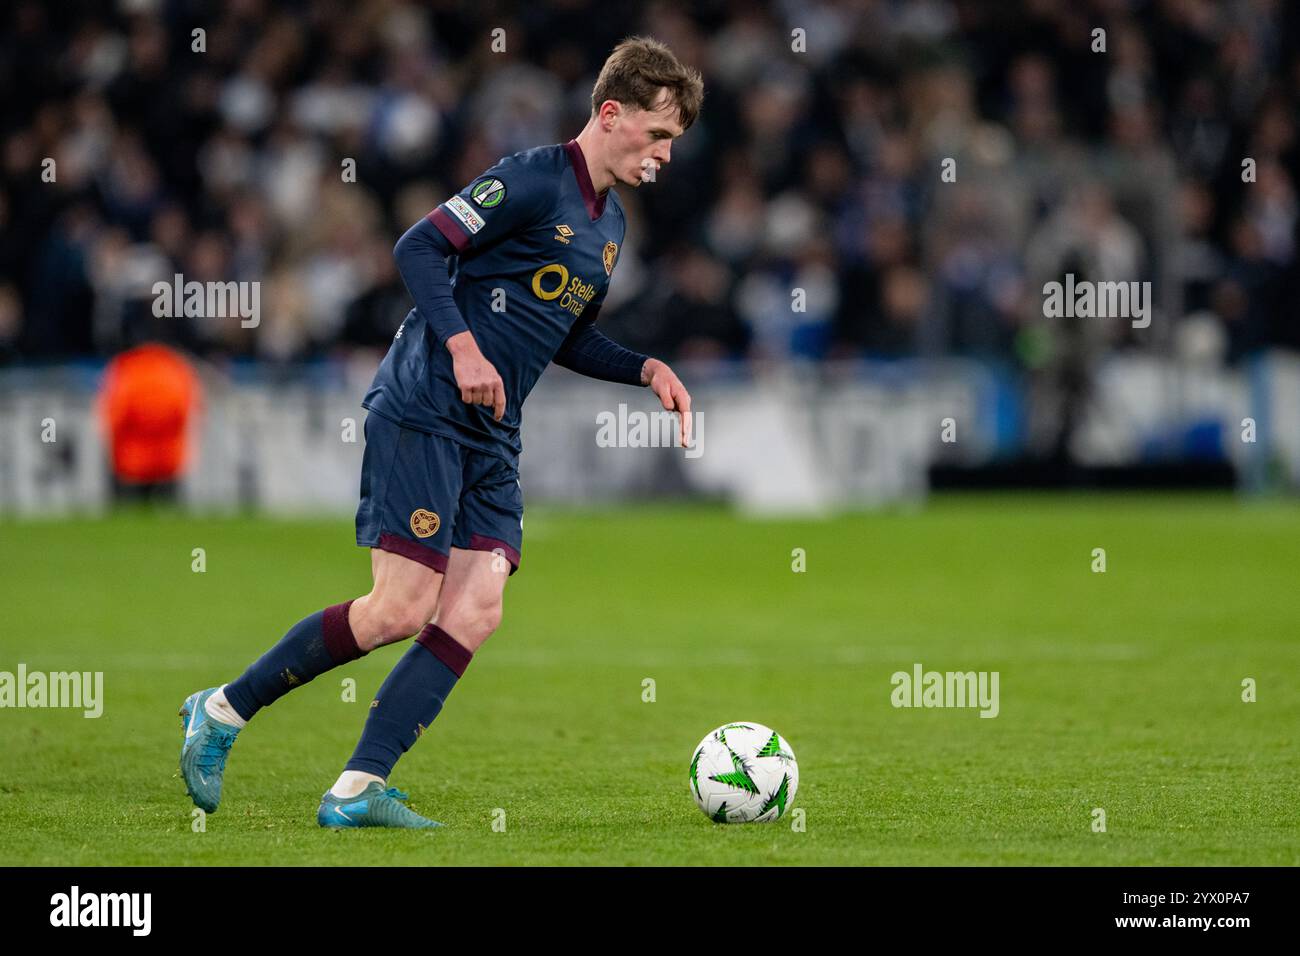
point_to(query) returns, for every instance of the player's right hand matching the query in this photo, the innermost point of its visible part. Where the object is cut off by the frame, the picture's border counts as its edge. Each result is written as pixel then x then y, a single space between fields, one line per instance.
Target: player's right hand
pixel 476 377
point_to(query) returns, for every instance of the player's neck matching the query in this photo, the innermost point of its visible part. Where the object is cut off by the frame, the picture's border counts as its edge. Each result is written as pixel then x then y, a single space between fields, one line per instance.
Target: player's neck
pixel 601 178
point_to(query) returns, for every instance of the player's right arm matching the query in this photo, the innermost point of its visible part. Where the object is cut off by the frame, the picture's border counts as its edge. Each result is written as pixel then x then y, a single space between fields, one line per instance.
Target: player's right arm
pixel 508 198
pixel 421 257
pixel 476 377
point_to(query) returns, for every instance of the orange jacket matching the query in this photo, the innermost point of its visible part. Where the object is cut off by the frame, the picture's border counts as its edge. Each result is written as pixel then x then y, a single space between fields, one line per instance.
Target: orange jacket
pixel 149 396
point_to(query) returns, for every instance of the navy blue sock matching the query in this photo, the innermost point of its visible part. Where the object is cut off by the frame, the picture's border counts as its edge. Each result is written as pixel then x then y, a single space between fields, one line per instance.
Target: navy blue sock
pixel 410 697
pixel 313 646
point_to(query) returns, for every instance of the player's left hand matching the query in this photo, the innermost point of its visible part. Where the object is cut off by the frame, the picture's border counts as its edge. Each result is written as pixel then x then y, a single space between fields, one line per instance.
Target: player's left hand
pixel 664 382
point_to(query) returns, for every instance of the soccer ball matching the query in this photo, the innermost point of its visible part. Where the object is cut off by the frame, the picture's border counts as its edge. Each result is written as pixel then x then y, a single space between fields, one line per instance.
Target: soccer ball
pixel 744 773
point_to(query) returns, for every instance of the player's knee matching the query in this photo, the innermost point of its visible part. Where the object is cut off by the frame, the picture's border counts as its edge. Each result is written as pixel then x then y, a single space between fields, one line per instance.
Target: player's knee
pixel 471 622
pixel 406 622
pixel 490 620
pixel 393 622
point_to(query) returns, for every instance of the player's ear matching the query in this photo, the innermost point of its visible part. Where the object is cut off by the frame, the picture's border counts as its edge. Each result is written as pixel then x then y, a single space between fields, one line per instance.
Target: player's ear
pixel 610 112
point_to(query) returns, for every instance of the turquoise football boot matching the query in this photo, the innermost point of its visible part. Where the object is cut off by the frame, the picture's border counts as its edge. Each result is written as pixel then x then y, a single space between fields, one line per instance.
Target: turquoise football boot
pixel 372 807
pixel 204 749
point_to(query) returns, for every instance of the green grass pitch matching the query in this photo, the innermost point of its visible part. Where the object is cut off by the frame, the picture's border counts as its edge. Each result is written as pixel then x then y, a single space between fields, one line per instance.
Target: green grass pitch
pixel 1120 691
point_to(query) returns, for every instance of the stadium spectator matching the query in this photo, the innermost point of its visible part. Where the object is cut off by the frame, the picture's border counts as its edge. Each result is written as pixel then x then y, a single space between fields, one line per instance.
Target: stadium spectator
pixel 816 164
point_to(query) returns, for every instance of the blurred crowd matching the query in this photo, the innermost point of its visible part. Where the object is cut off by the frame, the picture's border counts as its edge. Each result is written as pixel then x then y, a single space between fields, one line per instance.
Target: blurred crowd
pixel 805 215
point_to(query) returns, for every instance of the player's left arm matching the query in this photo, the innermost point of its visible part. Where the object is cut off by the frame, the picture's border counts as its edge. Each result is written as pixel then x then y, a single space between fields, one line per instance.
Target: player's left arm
pixel 590 352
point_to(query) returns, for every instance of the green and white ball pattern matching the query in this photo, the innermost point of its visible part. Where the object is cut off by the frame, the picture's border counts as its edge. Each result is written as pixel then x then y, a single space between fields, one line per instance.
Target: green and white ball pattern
pixel 744 773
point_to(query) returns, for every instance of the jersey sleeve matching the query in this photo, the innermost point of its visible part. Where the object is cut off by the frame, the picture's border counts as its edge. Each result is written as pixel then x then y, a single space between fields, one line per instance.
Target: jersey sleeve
pixel 588 351
pixel 421 257
pixel 508 198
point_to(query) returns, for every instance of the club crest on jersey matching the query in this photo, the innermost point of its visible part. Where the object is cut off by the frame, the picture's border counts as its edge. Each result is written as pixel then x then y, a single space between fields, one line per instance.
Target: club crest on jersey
pixel 425 524
pixel 488 193
pixel 610 254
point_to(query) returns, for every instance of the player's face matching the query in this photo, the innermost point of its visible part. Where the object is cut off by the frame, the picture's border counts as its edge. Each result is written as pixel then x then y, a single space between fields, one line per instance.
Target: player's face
pixel 643 141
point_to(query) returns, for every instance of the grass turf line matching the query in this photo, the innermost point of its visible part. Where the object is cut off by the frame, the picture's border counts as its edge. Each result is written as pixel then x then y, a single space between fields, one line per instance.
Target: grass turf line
pixel 1119 690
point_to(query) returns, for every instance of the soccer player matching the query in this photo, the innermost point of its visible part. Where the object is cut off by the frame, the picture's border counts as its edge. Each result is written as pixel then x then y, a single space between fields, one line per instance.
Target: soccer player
pixel 507 276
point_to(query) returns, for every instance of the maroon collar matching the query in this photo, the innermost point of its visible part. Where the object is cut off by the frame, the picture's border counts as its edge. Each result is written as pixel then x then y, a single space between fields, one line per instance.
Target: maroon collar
pixel 595 204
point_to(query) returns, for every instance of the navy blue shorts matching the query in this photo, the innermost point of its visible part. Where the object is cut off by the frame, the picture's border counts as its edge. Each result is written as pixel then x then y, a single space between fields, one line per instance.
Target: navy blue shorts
pixel 422 495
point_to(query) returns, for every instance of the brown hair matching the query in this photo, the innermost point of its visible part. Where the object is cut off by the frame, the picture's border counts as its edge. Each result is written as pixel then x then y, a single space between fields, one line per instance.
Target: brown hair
pixel 635 72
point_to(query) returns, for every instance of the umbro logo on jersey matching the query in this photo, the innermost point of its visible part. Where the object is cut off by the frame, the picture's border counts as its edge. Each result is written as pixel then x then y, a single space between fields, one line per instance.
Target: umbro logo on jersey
pixel 564 233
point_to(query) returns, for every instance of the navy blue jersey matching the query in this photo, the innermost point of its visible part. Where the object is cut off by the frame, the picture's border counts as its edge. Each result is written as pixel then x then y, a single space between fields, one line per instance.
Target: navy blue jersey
pixel 534 248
